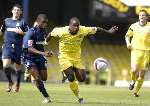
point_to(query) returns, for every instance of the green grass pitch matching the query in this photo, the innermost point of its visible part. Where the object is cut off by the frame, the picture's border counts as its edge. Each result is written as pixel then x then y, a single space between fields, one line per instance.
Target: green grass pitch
pixel 61 95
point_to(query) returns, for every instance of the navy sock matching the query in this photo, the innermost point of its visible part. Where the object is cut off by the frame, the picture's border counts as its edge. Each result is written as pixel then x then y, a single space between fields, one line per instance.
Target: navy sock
pixel 40 86
pixel 18 77
pixel 8 71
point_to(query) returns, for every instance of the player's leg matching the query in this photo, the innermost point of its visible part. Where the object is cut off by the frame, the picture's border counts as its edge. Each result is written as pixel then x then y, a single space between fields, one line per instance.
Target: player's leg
pixel 64 77
pixel 27 75
pixel 70 73
pixel 81 77
pixel 8 69
pixel 134 68
pixel 18 68
pixel 43 71
pixel 144 64
pixel 80 74
pixel 39 83
pixel 140 81
pixel 7 64
pixel 134 76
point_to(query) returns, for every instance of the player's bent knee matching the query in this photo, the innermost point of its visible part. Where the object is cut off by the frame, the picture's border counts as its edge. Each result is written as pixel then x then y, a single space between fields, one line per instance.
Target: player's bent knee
pixel 71 77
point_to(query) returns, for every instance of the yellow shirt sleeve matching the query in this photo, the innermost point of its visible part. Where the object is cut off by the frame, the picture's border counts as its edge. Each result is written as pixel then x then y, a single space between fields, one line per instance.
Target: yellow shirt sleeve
pixel 88 30
pixel 56 32
pixel 129 32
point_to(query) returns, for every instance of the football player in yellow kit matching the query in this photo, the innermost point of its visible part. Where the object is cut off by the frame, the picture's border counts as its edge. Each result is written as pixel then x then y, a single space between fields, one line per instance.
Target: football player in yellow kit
pixel 140 50
pixel 70 39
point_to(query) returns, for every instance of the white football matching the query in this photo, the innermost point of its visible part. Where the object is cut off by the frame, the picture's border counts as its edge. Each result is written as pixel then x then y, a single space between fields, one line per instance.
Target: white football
pixel 101 64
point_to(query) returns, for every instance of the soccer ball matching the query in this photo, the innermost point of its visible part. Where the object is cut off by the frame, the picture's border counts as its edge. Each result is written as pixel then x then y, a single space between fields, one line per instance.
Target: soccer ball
pixel 101 64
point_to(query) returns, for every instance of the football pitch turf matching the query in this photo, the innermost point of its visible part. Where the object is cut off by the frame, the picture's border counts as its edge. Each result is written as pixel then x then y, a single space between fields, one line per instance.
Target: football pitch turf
pixel 61 95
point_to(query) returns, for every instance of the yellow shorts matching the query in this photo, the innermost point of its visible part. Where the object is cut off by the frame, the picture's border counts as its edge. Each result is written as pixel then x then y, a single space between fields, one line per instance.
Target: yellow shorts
pixel 140 58
pixel 66 63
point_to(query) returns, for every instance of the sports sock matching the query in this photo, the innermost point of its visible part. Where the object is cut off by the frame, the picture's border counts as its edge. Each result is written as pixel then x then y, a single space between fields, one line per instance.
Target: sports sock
pixel 8 71
pixel 139 84
pixel 41 88
pixel 74 87
pixel 18 77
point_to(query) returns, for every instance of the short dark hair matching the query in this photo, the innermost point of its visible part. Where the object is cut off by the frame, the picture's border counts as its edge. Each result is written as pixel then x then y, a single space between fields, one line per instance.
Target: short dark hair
pixel 142 10
pixel 18 6
pixel 74 19
pixel 41 16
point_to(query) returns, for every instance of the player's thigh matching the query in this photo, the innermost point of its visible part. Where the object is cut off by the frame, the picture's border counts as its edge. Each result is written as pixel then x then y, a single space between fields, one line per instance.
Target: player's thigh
pixel 34 72
pixel 6 63
pixel 146 60
pixel 42 70
pixel 80 74
pixel 43 75
pixel 17 56
pixel 136 59
pixel 33 69
pixel 69 72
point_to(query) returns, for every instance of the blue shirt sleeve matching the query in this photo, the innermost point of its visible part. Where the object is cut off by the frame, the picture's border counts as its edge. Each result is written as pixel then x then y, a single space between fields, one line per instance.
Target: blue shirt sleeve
pixel 28 39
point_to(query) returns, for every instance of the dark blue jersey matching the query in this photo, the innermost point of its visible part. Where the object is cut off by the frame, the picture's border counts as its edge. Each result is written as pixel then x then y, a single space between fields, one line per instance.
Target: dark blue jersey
pixel 11 37
pixel 34 38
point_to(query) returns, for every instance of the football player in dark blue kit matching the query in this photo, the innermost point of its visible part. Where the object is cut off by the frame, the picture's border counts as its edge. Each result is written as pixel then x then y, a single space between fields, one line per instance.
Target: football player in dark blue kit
pixel 13 29
pixel 34 54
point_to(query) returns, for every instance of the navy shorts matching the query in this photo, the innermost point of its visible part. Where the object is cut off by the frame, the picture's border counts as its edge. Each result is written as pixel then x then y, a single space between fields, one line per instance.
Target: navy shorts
pixel 39 63
pixel 10 51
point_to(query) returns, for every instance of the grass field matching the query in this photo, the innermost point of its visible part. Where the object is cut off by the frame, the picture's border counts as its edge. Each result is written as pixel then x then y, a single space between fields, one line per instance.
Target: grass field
pixel 62 96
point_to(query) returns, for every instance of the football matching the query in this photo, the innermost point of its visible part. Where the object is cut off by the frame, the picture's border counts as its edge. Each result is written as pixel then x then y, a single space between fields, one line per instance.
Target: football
pixel 101 64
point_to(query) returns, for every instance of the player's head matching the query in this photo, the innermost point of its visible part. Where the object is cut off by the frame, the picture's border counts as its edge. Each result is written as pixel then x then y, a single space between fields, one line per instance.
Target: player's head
pixel 42 20
pixel 74 25
pixel 16 11
pixel 143 16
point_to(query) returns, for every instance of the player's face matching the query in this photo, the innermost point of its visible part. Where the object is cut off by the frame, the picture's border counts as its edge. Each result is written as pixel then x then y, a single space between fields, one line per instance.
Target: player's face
pixel 43 23
pixel 143 17
pixel 16 12
pixel 74 27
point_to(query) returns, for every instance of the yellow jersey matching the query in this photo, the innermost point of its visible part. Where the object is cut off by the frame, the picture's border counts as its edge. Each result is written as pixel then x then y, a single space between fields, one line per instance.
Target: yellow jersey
pixel 70 45
pixel 140 36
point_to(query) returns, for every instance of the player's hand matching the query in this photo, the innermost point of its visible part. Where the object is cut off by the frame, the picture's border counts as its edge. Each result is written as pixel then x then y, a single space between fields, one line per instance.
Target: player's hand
pixel 19 31
pixel 113 29
pixel 48 53
pixel 129 46
pixel 35 24
pixel 45 43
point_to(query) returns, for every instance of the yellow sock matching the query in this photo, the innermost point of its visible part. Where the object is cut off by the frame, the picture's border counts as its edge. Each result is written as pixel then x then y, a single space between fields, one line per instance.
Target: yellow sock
pixel 74 88
pixel 139 84
pixel 133 77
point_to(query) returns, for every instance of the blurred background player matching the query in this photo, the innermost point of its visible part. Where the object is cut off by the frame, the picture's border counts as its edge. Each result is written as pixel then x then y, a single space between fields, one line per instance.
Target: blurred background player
pixel 13 29
pixel 27 76
pixel 70 39
pixel 140 50
pixel 34 54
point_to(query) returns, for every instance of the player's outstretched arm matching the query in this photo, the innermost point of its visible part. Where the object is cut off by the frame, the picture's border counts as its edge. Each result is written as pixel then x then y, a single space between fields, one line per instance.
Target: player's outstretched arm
pixel 48 38
pixel 111 30
pixel 35 51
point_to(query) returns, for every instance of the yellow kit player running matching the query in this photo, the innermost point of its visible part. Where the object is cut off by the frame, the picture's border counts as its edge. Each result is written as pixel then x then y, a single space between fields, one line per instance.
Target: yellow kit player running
pixel 70 39
pixel 140 50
